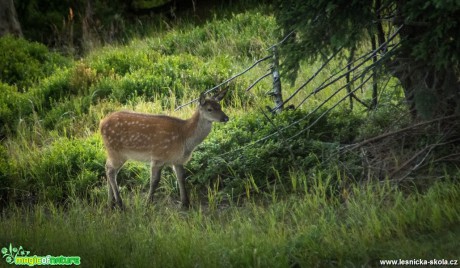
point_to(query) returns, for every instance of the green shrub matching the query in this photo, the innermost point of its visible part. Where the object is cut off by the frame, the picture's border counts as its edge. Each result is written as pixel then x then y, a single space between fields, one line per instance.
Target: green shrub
pixel 52 89
pixel 82 78
pixel 226 153
pixel 13 107
pixel 126 76
pixel 66 168
pixel 104 88
pixel 24 63
pixel 63 84
pixel 64 113
pixel 384 119
pixel 121 60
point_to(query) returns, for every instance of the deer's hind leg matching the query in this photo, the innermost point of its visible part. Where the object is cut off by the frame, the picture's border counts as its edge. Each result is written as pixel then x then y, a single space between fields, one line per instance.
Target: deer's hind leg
pixel 111 169
pixel 155 176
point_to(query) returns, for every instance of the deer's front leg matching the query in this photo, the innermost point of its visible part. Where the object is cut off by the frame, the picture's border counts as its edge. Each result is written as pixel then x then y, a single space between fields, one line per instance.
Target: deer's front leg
pixel 180 173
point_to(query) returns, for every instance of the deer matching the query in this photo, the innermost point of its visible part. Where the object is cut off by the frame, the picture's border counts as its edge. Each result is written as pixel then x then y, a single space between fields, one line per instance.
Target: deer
pixel 157 139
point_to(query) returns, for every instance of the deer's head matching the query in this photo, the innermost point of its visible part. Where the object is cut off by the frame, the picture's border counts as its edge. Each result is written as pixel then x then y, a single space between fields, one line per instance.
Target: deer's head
pixel 210 108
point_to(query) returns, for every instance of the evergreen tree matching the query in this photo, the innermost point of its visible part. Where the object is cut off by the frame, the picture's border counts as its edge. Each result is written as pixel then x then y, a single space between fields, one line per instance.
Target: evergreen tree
pixel 426 60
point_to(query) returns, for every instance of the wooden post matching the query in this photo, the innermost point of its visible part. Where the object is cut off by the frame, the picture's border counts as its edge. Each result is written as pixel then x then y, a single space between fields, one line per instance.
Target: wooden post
pixel 276 93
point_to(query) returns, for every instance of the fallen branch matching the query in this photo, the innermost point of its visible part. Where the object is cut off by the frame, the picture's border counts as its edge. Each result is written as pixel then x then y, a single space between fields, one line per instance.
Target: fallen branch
pixel 415 156
pixel 374 139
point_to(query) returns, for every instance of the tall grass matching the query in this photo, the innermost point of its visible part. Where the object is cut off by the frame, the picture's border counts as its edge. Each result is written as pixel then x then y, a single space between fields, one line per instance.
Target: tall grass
pixel 311 228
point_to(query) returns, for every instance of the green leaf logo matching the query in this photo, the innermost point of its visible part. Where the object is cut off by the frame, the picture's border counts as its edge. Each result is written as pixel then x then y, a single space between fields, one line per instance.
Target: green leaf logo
pixel 10 253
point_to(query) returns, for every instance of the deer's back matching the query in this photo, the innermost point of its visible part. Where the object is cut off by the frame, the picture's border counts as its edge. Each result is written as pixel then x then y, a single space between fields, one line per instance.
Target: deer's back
pixel 143 137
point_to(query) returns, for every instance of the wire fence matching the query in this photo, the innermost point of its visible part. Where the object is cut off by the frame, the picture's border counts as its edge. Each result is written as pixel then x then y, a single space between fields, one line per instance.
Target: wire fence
pixel 360 67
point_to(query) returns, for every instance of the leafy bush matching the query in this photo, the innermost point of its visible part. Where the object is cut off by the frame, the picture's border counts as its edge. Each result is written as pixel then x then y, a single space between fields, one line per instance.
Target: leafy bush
pixel 13 106
pixel 384 119
pixel 66 168
pixel 127 74
pixel 121 60
pixel 52 89
pixel 63 113
pixel 229 154
pixel 24 63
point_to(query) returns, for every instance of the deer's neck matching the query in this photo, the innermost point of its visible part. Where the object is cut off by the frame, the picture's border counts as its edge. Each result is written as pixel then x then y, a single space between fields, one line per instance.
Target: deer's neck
pixel 198 129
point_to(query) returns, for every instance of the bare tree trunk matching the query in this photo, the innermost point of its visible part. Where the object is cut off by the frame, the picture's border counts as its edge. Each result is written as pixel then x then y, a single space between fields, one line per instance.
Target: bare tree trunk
pixel 9 23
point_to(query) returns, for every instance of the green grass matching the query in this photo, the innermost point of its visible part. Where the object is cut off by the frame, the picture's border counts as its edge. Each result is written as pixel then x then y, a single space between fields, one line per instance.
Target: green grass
pixel 309 228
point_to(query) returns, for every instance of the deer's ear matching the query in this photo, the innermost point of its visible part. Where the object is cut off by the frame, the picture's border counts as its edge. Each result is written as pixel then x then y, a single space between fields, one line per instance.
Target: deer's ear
pixel 202 99
pixel 220 95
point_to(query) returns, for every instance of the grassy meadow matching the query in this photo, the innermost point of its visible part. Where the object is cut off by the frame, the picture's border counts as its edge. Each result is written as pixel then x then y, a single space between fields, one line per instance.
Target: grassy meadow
pixel 281 202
